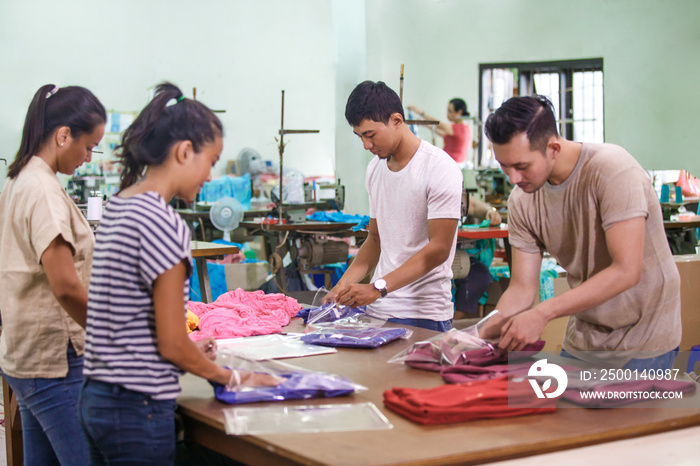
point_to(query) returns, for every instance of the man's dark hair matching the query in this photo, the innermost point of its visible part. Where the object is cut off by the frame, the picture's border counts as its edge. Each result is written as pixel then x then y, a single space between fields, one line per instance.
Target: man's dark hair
pixel 372 101
pixel 532 115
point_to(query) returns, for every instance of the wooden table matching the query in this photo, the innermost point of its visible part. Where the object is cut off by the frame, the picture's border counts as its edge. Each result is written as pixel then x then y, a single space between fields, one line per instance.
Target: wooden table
pixel 201 217
pixel 675 225
pixel 409 443
pixel 202 250
pixel 302 227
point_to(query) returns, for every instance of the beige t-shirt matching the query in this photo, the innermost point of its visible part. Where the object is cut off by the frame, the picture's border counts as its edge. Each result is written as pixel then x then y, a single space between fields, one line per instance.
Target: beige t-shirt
pixel 569 221
pixel 34 210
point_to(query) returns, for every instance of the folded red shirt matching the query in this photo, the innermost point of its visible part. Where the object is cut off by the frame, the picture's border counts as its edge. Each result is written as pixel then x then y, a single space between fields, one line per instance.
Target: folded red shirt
pixel 467 402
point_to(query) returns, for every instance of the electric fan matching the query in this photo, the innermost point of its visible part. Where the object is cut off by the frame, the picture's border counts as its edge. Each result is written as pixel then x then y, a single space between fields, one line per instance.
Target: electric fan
pixel 226 214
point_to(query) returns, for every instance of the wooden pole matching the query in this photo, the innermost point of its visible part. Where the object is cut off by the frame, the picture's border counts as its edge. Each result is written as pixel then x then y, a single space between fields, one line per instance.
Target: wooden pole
pixel 279 205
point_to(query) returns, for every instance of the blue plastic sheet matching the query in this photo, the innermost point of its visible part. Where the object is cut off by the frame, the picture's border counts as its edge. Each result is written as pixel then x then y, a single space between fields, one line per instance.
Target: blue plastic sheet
pixel 339 217
pixel 237 187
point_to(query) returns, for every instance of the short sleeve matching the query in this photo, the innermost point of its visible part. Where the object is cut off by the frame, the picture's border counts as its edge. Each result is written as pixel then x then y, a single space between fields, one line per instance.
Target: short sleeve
pixel 47 216
pixel 165 242
pixel 371 170
pixel 622 190
pixel 520 235
pixel 444 190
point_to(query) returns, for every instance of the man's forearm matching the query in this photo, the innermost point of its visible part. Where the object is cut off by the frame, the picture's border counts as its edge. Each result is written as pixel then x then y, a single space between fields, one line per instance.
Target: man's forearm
pixel 365 261
pixel 416 266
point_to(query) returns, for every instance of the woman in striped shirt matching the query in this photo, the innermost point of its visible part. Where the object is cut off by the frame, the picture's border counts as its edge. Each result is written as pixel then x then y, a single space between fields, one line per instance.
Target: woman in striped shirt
pixel 137 345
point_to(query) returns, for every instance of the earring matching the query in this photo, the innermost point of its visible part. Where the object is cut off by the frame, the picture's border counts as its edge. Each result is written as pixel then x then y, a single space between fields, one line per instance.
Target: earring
pixel 61 144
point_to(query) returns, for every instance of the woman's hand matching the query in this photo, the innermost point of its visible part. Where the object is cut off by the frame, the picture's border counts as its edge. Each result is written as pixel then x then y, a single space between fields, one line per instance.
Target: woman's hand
pixel 494 217
pixel 240 378
pixel 207 347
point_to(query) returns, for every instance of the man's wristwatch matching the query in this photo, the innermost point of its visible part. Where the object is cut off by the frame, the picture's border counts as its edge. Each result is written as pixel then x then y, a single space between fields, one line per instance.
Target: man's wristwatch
pixel 380 284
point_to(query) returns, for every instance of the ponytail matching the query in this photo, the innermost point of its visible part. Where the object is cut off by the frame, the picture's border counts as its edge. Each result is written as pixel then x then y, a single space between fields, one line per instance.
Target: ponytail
pixel 53 107
pixel 168 119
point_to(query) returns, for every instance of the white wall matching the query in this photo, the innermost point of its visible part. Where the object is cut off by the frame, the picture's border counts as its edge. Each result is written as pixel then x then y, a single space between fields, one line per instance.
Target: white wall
pixel 351 55
pixel 239 54
pixel 650 50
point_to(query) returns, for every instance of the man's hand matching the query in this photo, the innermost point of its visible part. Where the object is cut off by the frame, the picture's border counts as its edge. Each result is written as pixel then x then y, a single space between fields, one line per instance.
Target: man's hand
pixel 522 330
pixel 491 329
pixel 331 297
pixel 358 295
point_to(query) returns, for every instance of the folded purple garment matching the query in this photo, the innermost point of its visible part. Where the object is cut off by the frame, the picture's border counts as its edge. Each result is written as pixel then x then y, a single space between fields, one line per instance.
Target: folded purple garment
pixel 365 338
pixel 299 385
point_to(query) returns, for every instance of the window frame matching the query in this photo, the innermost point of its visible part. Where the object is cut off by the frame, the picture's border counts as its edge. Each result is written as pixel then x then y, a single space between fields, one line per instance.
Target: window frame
pixel 526 71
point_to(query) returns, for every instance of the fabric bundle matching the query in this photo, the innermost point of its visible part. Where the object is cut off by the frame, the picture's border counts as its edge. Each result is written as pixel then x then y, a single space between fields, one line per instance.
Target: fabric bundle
pixel 240 313
pixel 448 404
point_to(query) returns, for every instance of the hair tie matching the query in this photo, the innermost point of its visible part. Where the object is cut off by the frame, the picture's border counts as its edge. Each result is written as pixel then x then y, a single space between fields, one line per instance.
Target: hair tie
pixel 52 91
pixel 175 101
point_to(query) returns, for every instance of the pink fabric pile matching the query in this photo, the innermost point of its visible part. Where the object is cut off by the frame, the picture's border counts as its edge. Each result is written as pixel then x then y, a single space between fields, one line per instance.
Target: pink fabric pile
pixel 240 313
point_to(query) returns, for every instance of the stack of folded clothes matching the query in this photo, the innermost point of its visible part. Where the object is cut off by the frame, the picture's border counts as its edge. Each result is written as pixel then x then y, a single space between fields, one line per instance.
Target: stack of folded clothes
pixel 487 399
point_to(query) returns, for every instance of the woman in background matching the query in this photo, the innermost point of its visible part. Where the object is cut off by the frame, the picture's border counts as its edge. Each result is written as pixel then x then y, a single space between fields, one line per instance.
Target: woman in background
pixel 45 258
pixel 456 134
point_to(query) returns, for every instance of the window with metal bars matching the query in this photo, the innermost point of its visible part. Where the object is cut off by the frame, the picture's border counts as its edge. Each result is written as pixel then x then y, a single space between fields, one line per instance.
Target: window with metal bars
pixel 575 87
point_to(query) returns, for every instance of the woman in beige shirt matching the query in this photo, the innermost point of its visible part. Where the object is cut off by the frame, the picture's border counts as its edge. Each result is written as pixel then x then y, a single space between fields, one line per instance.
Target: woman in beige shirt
pixel 45 259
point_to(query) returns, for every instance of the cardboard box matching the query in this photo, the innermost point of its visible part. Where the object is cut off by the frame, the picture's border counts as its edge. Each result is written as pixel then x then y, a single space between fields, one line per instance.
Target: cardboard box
pixel 689 269
pixel 246 276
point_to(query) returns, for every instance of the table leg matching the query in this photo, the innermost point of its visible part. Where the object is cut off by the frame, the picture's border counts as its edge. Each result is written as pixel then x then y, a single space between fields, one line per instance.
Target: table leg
pixel 506 245
pixel 204 287
pixel 13 427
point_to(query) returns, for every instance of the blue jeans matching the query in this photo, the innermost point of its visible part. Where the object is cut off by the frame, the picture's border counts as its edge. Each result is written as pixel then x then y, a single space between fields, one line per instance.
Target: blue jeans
pixel 469 290
pixel 664 361
pixel 49 409
pixel 439 326
pixel 126 427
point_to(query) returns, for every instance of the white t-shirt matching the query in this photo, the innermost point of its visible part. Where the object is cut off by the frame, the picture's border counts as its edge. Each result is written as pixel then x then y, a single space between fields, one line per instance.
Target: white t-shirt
pixel 428 187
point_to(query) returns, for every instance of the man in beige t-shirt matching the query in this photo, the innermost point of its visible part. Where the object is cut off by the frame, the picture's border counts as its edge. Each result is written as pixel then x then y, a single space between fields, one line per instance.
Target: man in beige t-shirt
pixel 594 209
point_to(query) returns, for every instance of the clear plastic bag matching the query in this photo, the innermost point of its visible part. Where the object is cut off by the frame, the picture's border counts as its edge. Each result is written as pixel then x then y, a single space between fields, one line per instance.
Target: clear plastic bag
pixel 446 349
pixel 329 316
pixel 255 381
pixel 262 347
pixel 296 419
pixel 356 338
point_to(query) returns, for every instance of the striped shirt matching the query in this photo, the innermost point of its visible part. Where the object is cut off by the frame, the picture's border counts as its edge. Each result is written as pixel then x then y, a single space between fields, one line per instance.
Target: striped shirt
pixel 139 238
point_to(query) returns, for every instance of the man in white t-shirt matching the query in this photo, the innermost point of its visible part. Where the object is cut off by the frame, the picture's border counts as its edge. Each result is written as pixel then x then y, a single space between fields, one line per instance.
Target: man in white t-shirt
pixel 415 192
